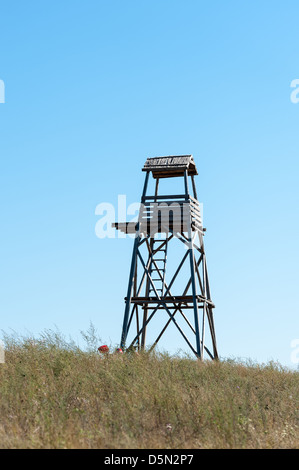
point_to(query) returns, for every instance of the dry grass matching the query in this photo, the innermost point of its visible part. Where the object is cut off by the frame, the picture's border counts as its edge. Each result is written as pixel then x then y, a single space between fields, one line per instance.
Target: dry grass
pixel 54 395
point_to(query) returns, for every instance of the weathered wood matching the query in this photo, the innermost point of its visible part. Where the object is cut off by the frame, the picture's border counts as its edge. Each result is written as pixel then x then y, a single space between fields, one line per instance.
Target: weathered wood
pixel 194 187
pixel 170 166
pixel 167 196
pixel 179 217
pixel 169 299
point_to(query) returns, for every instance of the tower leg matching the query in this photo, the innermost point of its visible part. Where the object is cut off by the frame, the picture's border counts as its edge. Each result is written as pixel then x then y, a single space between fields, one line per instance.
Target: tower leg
pixel 132 272
pixel 210 312
pixel 195 303
pixel 129 293
pixel 192 267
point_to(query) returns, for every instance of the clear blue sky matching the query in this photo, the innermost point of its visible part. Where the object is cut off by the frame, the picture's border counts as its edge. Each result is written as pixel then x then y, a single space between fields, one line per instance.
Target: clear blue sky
pixel 92 89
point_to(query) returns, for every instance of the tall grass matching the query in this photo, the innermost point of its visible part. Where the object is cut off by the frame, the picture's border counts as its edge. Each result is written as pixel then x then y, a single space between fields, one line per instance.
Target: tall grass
pixel 54 394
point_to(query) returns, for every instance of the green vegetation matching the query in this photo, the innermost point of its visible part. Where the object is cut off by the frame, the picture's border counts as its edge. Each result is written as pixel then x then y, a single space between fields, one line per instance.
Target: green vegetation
pixel 55 395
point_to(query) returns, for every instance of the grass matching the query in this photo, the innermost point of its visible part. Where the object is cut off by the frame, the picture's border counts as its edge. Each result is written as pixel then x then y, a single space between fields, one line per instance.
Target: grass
pixel 55 395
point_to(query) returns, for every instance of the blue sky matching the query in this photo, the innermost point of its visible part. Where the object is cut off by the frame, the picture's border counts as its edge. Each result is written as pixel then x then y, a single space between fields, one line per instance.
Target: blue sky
pixel 94 88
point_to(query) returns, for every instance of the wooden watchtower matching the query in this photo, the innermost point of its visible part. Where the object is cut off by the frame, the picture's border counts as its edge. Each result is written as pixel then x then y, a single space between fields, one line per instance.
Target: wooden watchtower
pixel 153 289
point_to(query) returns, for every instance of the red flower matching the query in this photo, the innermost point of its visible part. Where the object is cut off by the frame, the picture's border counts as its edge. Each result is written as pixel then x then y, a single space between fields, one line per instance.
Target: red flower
pixel 103 349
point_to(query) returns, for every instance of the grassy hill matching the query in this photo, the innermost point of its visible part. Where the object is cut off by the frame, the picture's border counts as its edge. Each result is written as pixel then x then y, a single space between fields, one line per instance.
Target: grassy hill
pixel 54 395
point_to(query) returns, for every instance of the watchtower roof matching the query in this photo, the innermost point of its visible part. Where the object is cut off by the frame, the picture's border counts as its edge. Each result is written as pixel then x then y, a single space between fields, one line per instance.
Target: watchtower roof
pixel 170 166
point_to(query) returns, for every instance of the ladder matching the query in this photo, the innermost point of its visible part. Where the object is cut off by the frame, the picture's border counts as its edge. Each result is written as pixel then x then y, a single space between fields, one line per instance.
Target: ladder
pixel 158 266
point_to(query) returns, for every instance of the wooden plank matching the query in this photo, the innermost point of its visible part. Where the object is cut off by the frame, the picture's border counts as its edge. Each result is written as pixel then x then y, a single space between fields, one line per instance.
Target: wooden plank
pixel 167 205
pixel 167 196
pixel 152 226
pixel 171 299
pixel 164 219
pixel 193 199
pixel 171 174
pixel 169 161
pixel 195 208
pixel 170 166
pixel 174 306
pixel 197 221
